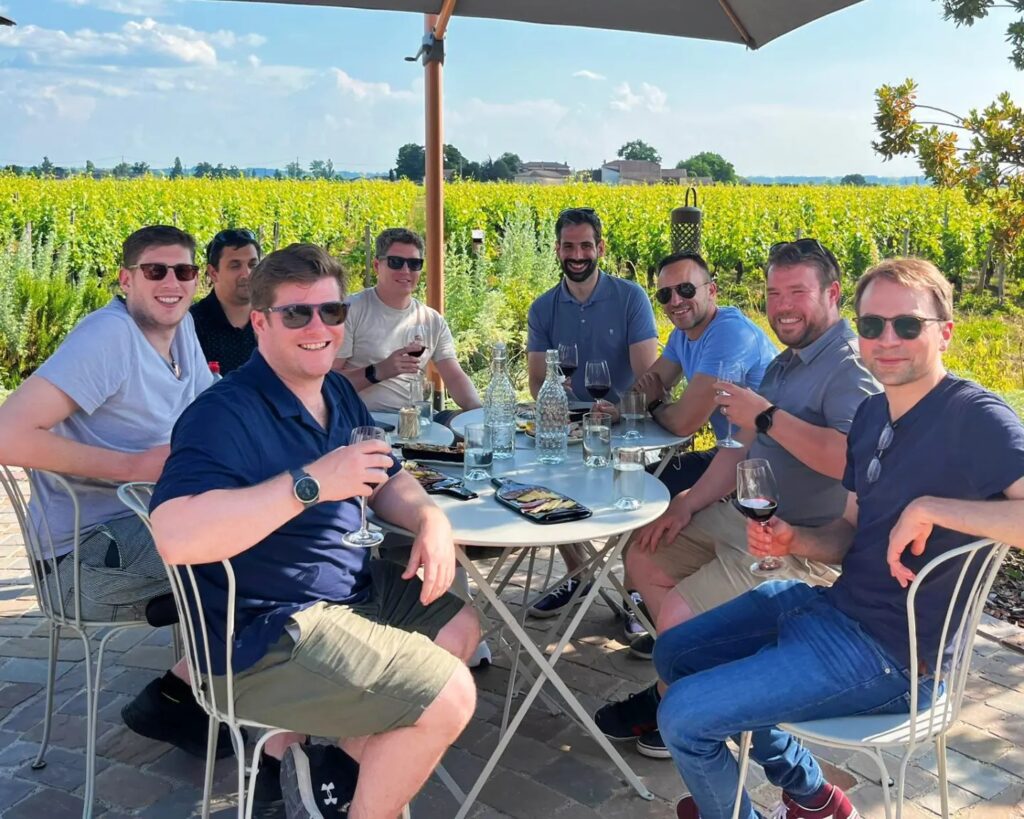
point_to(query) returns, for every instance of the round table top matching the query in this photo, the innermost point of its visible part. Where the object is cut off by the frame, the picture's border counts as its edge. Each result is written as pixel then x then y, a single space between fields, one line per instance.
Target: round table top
pixel 434 434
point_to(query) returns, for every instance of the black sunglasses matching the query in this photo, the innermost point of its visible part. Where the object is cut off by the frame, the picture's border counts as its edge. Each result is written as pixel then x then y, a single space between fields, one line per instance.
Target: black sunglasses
pixel 804 246
pixel 296 316
pixel 157 271
pixel 884 441
pixel 398 262
pixel 686 290
pixel 906 327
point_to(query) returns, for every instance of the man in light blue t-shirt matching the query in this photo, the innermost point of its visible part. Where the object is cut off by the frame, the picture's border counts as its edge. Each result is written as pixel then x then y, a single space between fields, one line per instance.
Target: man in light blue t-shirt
pixel 706 338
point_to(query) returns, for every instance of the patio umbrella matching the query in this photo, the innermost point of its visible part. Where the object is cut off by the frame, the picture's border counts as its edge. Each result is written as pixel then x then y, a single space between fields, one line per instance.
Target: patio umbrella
pixel 747 22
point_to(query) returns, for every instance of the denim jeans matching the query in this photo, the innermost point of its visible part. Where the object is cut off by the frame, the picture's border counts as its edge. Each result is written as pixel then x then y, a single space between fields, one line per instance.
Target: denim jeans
pixel 779 653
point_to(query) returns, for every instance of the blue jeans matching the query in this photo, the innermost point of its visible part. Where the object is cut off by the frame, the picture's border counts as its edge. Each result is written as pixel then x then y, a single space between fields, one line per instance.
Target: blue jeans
pixel 779 653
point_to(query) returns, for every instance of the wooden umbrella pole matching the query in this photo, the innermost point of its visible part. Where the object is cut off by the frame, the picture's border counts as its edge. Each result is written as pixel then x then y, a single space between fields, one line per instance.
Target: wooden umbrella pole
pixel 434 181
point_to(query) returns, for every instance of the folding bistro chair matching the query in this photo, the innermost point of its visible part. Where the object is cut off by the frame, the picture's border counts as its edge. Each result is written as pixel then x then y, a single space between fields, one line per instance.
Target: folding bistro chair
pixel 873 733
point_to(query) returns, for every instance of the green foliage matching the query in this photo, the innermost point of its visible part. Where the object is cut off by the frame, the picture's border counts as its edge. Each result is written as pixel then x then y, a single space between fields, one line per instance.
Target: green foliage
pixel 709 164
pixel 411 162
pixel 638 149
pixel 856 179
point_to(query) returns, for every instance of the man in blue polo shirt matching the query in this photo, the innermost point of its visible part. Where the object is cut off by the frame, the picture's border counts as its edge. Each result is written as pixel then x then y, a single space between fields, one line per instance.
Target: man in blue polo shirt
pixel 607 318
pixel 932 464
pixel 327 641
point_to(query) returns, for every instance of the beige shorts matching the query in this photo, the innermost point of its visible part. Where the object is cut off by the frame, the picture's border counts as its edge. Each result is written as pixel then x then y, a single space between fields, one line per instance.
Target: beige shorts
pixel 710 560
pixel 353 670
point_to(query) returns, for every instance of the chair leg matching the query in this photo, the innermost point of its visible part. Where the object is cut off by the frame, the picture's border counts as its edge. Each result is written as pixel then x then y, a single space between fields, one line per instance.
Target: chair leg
pixel 885 781
pixel 211 758
pixel 743 761
pixel 51 678
pixel 940 760
pixel 90 729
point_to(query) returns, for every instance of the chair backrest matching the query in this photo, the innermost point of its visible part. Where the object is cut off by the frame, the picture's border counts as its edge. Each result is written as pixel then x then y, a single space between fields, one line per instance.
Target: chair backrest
pixel 951 663
pixel 39 545
pixel 192 616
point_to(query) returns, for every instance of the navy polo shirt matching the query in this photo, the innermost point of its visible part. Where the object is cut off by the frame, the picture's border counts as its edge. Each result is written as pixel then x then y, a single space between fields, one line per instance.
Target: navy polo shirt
pixel 246 429
pixel 617 314
pixel 959 441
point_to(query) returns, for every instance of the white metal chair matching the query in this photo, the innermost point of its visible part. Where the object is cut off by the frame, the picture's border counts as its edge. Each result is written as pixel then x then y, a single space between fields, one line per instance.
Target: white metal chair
pixel 50 597
pixel 871 734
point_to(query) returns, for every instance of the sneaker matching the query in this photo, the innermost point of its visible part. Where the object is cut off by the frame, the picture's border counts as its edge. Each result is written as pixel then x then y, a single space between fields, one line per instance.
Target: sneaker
pixel 481 657
pixel 642 647
pixel 834 804
pixel 267 800
pixel 166 710
pixel 552 603
pixel 630 718
pixel 318 781
pixel 652 746
pixel 632 627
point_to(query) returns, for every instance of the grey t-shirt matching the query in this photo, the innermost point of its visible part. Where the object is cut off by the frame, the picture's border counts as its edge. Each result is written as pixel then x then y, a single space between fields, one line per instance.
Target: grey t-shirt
pixel 128 400
pixel 822 384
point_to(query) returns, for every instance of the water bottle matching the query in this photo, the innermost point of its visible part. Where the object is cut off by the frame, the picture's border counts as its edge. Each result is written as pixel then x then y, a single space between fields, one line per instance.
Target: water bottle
pixel 552 414
pixel 500 405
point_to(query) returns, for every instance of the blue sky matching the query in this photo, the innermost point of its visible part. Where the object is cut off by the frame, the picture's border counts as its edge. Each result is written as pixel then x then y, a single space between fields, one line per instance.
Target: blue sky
pixel 264 84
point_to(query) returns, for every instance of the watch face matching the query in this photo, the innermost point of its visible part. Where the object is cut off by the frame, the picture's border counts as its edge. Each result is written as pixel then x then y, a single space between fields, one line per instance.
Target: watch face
pixel 307 489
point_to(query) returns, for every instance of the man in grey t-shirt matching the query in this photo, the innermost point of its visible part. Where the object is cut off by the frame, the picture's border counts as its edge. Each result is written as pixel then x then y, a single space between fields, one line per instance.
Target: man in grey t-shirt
pixel 100 411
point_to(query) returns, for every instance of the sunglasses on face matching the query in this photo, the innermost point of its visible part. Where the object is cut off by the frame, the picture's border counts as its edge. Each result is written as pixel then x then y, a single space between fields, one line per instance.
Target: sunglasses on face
pixel 296 316
pixel 686 290
pixel 906 327
pixel 398 262
pixel 157 271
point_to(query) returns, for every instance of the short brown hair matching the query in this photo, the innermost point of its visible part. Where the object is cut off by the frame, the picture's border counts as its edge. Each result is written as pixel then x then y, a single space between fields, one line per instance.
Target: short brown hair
pixel 155 236
pixel 299 263
pixel 402 236
pixel 916 274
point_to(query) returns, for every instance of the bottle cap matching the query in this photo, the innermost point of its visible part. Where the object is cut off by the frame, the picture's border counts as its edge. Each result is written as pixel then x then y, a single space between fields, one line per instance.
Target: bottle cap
pixel 214 367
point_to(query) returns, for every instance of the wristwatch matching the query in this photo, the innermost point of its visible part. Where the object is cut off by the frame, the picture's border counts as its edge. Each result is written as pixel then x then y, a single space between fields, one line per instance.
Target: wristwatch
pixel 763 420
pixel 306 488
pixel 371 374
pixel 657 402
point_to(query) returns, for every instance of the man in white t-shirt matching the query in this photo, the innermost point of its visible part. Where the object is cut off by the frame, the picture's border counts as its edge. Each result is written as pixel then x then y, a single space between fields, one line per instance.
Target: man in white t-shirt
pixel 379 356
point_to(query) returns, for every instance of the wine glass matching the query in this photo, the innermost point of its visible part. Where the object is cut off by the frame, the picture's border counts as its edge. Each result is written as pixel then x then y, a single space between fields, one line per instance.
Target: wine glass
pixel 757 497
pixel 416 337
pixel 364 537
pixel 598 381
pixel 568 359
pixel 732 374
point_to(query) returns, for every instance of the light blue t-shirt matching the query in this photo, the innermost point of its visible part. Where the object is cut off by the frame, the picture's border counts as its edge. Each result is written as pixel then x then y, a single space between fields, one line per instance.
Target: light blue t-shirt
pixel 128 400
pixel 617 314
pixel 730 337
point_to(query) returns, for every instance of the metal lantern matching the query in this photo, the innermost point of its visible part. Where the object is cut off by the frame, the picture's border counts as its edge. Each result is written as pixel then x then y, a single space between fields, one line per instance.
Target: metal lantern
pixel 686 225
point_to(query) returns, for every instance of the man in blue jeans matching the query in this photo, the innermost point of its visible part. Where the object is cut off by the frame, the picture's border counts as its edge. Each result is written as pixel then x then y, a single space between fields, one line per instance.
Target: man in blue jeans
pixel 932 463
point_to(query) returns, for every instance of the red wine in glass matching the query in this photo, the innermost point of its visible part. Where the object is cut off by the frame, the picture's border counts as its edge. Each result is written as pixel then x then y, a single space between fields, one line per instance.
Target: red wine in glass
pixel 568 369
pixel 759 509
pixel 598 381
pixel 417 353
pixel 757 497
pixel 598 391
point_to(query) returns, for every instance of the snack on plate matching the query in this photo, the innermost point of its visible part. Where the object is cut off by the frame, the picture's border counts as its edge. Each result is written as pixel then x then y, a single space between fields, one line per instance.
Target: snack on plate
pixel 575 431
pixel 452 454
pixel 538 503
pixel 424 474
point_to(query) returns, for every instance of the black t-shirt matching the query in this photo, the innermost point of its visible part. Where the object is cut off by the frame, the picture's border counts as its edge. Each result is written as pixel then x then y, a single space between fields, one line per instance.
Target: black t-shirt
pixel 229 346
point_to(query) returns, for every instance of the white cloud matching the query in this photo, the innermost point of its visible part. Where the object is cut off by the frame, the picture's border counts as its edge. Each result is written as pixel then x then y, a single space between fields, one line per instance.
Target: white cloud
pixel 587 74
pixel 649 97
pixel 137 8
pixel 368 91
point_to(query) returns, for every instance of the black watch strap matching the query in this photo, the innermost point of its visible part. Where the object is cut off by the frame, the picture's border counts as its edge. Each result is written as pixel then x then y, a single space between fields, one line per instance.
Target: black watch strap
pixel 764 420
pixel 657 402
pixel 371 374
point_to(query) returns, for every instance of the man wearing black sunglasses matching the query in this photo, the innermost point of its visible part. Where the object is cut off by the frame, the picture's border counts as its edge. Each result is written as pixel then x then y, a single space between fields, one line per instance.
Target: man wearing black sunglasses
pixel 100 411
pixel 222 317
pixel 378 356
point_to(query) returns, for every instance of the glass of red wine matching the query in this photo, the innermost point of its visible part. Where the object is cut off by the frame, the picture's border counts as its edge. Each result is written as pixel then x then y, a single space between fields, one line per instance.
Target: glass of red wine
pixel 757 497
pixel 415 339
pixel 364 537
pixel 598 381
pixel 568 359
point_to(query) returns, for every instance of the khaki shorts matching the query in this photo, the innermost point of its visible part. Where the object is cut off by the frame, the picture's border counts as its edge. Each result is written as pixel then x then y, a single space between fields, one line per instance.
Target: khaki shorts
pixel 710 560
pixel 353 670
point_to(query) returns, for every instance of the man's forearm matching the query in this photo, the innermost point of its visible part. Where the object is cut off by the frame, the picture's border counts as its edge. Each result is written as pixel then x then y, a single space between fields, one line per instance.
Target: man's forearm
pixel 43 449
pixel 681 418
pixel 824 544
pixel 822 449
pixel 463 391
pixel 403 502
pixel 1001 520
pixel 717 481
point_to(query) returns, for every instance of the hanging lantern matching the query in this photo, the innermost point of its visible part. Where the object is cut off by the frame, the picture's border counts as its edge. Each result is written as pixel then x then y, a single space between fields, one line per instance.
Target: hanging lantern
pixel 686 225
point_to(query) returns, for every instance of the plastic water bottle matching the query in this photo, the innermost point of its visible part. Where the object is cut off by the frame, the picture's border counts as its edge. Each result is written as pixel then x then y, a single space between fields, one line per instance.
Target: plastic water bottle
pixel 500 405
pixel 552 414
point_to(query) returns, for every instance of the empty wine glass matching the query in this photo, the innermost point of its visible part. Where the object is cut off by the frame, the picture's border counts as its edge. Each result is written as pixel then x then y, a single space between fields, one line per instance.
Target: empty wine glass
pixel 598 381
pixel 757 497
pixel 732 374
pixel 364 537
pixel 416 338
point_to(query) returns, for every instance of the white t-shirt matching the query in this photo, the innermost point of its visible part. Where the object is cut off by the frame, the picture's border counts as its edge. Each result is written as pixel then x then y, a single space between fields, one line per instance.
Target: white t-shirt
pixel 373 331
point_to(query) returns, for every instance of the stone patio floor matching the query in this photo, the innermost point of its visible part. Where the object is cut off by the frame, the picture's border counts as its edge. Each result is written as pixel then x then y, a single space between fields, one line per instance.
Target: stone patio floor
pixel 551 769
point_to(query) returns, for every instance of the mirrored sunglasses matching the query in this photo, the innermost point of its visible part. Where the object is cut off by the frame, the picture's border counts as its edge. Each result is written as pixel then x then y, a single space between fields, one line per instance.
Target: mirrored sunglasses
pixel 398 262
pixel 906 327
pixel 157 271
pixel 884 442
pixel 296 316
pixel 686 290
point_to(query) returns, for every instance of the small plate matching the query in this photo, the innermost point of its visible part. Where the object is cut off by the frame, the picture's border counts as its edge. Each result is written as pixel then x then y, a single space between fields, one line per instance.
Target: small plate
pixel 575 431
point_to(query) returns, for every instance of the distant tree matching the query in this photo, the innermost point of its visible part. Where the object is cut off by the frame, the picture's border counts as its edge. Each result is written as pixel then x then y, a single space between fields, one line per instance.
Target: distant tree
pixel 122 170
pixel 46 168
pixel 854 179
pixel 177 171
pixel 709 164
pixel 293 170
pixel 500 171
pixel 512 161
pixel 391 175
pixel 278 175
pixel 16 170
pixel 411 162
pixel 638 149
pixel 202 170
pixel 321 169
pixel 90 168
pixel 139 169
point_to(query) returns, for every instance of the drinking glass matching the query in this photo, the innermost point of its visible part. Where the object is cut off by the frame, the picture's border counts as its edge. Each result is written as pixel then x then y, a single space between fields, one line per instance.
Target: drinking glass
pixel 364 537
pixel 732 374
pixel 757 497
pixel 597 439
pixel 479 452
pixel 421 391
pixel 597 380
pixel 415 337
pixel 628 477
pixel 568 359
pixel 634 412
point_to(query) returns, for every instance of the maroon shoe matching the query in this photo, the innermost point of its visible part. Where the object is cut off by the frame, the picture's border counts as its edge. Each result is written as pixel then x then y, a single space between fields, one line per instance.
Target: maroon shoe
pixel 686 808
pixel 836 805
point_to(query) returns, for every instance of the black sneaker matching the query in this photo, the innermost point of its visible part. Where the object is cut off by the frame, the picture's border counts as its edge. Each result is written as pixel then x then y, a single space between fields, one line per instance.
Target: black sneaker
pixel 267 800
pixel 642 647
pixel 632 627
pixel 630 718
pixel 552 603
pixel 652 745
pixel 167 711
pixel 318 781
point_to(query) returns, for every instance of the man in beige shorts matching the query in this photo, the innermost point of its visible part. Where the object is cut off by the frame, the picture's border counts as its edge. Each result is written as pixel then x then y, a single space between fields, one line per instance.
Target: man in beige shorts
pixel 694 557
pixel 327 642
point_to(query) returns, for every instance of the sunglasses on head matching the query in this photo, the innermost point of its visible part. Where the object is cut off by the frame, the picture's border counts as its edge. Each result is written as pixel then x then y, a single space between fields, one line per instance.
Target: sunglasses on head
pixel 804 246
pixel 906 327
pixel 686 290
pixel 398 262
pixel 296 316
pixel 157 271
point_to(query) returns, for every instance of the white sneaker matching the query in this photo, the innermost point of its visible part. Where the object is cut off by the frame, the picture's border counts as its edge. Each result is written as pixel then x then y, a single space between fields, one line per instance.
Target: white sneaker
pixel 481 657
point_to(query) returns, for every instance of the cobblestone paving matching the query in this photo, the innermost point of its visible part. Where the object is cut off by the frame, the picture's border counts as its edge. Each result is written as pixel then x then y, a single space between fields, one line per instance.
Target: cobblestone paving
pixel 551 769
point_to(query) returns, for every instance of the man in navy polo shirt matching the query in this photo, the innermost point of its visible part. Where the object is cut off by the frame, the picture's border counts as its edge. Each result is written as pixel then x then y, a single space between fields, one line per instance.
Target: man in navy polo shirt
pixel 932 463
pixel 327 641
